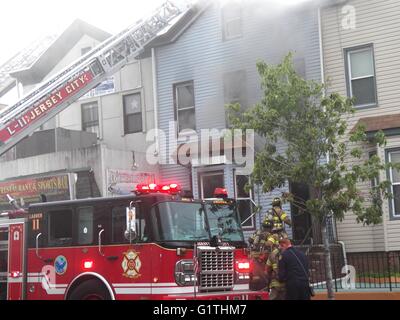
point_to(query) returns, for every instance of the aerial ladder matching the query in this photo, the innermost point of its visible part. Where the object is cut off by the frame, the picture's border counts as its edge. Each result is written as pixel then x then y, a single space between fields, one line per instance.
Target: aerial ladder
pixel 57 93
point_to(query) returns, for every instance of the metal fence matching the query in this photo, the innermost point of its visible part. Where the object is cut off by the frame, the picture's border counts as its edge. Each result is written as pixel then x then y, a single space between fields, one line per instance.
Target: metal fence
pixel 372 270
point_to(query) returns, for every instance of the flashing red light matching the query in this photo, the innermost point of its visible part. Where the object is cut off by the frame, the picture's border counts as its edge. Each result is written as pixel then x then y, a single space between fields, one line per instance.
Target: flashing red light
pixel 172 188
pixel 243 266
pixel 153 186
pixel 220 193
pixel 88 264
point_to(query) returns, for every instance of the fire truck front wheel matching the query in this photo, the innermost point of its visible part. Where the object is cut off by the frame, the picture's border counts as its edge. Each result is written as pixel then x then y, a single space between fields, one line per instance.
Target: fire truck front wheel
pixel 90 290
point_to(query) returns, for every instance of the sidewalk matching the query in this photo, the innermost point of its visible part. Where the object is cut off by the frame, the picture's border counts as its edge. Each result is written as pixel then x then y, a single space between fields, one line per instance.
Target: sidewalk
pixel 357 295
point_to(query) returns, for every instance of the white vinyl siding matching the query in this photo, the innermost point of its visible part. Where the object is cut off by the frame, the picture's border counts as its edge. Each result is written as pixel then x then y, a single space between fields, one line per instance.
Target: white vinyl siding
pixel 377 25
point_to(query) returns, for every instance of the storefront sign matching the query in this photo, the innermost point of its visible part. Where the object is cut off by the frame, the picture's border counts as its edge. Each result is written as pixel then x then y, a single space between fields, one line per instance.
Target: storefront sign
pixel 30 190
pixel 123 182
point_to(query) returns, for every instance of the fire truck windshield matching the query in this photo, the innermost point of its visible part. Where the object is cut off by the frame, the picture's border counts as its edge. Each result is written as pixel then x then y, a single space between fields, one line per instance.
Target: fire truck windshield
pixel 180 221
pixel 223 220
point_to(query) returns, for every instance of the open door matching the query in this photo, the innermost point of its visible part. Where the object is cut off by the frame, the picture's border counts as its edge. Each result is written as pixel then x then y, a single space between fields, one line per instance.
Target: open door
pixel 12 248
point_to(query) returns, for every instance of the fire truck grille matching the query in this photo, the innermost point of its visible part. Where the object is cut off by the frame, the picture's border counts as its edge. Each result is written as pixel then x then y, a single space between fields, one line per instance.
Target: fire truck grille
pixel 216 268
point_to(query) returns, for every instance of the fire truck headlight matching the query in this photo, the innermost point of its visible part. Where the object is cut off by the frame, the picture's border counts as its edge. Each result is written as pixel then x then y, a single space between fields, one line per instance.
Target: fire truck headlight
pixel 184 273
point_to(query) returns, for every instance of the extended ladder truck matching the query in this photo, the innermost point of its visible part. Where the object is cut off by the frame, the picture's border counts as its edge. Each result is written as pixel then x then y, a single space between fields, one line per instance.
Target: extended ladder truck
pixel 153 244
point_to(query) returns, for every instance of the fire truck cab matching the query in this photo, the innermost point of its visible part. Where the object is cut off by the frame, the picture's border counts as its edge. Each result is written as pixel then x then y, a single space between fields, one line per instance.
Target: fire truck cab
pixel 150 245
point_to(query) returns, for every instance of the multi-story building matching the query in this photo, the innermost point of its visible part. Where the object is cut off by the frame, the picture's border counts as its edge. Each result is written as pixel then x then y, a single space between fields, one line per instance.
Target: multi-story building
pixel 208 59
pixel 97 146
pixel 361 45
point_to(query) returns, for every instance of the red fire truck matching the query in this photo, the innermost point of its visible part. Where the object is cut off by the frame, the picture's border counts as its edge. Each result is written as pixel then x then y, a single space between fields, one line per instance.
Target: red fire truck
pixel 153 244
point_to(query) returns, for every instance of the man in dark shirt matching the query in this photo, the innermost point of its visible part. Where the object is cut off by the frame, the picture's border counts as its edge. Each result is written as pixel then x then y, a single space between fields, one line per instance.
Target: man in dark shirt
pixel 293 270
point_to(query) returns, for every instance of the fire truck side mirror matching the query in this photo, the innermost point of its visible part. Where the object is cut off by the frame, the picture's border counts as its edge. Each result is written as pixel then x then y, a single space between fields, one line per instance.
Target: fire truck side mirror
pixel 130 233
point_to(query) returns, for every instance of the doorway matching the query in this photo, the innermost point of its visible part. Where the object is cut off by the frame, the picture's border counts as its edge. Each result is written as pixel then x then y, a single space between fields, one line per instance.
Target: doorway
pixel 301 219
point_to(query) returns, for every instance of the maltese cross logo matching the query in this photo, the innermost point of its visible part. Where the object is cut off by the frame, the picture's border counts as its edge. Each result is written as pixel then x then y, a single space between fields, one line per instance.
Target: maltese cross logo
pixel 131 264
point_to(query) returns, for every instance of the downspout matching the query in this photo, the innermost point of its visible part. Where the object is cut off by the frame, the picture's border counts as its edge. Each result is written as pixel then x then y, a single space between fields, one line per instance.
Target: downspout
pixel 344 256
pixel 155 99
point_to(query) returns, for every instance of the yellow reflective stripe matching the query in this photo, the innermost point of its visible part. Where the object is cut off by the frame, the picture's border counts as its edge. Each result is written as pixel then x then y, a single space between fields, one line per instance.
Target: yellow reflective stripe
pixel 284 216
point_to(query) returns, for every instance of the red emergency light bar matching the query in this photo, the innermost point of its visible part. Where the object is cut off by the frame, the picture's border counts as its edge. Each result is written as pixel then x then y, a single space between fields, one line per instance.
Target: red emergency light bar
pixel 220 193
pixel 171 188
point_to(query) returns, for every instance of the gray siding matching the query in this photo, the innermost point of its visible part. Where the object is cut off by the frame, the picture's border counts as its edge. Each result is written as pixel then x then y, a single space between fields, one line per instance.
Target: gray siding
pixel 377 23
pixel 200 54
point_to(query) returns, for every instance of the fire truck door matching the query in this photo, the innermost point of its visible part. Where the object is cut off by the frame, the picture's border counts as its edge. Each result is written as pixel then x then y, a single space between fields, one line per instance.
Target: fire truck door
pixel 3 261
pixel 12 260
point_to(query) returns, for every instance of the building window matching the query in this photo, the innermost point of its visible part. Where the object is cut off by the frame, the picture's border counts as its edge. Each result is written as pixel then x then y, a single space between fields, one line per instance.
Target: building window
pixel 361 76
pixel 245 204
pixel 394 157
pixel 185 106
pixel 132 113
pixel 90 117
pixel 232 20
pixel 209 182
pixel 234 90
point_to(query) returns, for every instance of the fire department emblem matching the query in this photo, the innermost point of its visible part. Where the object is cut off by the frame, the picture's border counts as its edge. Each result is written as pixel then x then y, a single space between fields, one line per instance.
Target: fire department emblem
pixel 131 264
pixel 60 265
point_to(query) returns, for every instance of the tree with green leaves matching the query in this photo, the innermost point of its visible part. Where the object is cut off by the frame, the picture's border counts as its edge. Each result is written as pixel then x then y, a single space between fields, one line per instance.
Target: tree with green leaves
pixel 317 147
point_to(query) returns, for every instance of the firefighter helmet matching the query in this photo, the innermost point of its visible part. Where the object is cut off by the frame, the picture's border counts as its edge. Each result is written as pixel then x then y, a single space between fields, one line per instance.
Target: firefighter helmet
pixel 276 202
pixel 268 220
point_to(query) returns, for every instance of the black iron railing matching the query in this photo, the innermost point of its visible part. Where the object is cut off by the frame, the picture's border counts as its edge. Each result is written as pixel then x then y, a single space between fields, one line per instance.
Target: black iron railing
pixel 365 270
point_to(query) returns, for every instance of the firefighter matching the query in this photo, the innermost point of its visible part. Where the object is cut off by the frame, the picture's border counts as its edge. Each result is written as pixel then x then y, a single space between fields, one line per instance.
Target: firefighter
pixel 280 219
pixel 261 245
pixel 277 289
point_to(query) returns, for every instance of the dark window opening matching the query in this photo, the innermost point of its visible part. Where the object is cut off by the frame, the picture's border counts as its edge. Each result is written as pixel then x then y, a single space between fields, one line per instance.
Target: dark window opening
pixel 85 226
pixel 60 228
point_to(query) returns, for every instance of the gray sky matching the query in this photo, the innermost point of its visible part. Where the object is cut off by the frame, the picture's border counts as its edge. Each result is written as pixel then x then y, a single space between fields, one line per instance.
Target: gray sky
pixel 23 21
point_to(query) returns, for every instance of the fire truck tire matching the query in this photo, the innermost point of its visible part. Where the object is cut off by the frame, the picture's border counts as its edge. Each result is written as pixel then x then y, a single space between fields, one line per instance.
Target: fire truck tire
pixel 90 290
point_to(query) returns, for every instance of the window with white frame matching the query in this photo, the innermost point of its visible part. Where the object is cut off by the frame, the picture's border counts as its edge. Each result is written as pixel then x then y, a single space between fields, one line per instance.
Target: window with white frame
pixel 394 157
pixel 361 81
pixel 132 113
pixel 232 20
pixel 185 113
pixel 234 90
pixel 209 181
pixel 90 117
pixel 244 202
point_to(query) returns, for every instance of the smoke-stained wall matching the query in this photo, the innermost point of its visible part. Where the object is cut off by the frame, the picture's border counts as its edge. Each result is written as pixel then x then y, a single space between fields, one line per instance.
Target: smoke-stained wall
pixel 203 55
